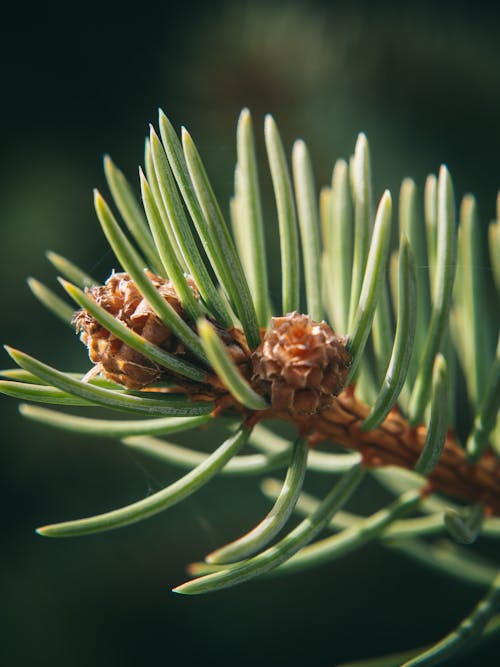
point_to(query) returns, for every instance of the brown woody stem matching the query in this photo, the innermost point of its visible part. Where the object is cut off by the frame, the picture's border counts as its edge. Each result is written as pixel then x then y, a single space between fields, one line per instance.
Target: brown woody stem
pixel 395 443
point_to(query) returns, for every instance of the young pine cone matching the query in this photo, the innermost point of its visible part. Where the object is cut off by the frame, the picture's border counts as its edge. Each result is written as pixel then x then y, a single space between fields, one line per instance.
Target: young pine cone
pixel 121 298
pixel 300 364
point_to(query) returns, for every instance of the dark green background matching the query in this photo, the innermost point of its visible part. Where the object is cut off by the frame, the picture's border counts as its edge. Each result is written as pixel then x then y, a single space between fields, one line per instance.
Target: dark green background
pixel 424 83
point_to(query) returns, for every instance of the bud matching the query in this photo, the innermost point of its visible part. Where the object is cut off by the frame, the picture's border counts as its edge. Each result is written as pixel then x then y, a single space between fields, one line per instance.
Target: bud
pixel 300 364
pixel 120 297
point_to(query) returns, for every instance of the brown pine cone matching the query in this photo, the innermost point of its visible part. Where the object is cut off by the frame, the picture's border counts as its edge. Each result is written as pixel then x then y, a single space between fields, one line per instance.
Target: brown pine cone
pixel 300 364
pixel 121 298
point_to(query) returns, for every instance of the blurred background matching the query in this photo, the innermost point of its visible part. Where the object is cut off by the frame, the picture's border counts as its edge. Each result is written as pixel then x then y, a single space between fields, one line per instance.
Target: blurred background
pixel 424 83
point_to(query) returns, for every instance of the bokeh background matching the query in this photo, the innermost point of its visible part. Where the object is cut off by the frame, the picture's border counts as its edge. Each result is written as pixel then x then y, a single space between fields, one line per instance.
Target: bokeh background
pixel 424 83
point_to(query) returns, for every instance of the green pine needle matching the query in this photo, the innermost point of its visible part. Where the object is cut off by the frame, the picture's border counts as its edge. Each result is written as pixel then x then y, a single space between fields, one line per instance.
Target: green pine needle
pixel 338 249
pixel 361 184
pixel 52 302
pixel 250 217
pixel 70 270
pixel 330 548
pixel 112 428
pixel 176 406
pixel 372 282
pixel 274 521
pixel 157 502
pixel 467 632
pixel 307 209
pixel 487 414
pixel 285 548
pixel 437 426
pixel 186 459
pixel 41 394
pixel 131 212
pixel 442 289
pixel 227 370
pixel 287 219
pixel 403 341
